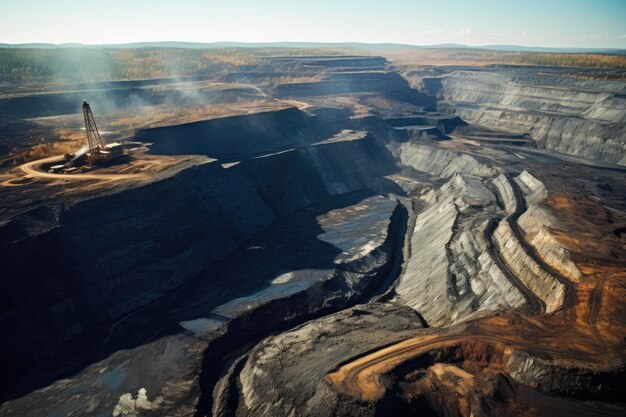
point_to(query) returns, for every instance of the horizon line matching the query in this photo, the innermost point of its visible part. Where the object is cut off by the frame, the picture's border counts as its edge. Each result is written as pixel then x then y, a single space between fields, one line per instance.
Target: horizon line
pixel 449 44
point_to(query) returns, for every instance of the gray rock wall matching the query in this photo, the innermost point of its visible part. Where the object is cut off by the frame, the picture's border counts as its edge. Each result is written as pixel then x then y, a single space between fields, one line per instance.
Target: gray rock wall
pixel 440 162
pixel 585 118
pixel 106 257
pixel 236 138
pixel 452 263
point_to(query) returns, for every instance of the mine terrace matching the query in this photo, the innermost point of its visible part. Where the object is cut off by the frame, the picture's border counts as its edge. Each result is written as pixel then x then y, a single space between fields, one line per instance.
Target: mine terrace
pixel 322 234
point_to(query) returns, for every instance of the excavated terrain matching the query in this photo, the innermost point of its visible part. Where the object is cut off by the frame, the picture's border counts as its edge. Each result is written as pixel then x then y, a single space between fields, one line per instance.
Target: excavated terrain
pixel 570 115
pixel 372 241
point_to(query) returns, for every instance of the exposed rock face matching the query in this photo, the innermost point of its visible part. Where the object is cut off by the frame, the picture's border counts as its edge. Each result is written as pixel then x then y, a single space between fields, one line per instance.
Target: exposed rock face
pixel 511 244
pixel 170 230
pixel 536 218
pixel 548 376
pixel 533 189
pixel 555 254
pixel 292 365
pixel 173 228
pixel 286 182
pixel 537 224
pixel 442 122
pixel 388 83
pixel 237 137
pixel 439 162
pixel 533 276
pixel 504 190
pixel 461 383
pixel 344 267
pixel 452 263
pixel 585 118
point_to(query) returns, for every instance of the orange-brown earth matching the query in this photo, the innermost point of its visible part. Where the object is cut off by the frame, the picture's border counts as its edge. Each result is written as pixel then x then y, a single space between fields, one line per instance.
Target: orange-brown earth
pixel 586 334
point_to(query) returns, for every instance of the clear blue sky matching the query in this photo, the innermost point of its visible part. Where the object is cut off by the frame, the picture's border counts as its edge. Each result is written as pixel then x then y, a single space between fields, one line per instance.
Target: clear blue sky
pixel 564 23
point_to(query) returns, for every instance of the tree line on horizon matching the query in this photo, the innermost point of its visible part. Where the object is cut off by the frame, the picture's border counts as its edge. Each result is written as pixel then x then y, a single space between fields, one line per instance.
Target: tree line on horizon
pixel 465 56
pixel 102 64
pixel 70 65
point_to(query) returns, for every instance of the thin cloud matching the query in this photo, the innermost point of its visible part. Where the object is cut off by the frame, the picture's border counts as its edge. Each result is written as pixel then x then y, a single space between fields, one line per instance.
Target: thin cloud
pixel 464 31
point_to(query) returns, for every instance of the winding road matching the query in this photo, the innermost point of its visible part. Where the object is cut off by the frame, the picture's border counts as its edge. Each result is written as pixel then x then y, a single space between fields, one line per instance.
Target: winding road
pixel 361 378
pixel 32 169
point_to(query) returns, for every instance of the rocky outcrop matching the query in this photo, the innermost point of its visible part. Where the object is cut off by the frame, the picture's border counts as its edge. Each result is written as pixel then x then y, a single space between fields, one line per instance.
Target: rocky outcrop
pixel 538 223
pixel 547 376
pixel 292 365
pixel 547 288
pixel 515 240
pixel 505 194
pixel 452 263
pixel 555 254
pixel 534 190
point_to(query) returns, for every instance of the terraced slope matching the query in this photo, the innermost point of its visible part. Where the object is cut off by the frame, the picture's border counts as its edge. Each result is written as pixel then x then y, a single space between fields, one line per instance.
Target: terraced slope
pixel 361 254
pixel 579 117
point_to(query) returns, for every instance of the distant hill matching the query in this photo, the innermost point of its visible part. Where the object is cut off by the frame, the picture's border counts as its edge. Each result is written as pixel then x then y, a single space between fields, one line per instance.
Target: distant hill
pixel 317 45
pixel 517 48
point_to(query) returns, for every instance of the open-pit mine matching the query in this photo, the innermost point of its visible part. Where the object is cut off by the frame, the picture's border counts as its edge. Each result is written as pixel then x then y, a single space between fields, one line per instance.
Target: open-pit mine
pixel 316 235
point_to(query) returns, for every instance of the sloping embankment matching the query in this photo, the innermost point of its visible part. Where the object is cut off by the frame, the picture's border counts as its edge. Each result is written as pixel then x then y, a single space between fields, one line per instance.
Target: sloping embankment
pixel 76 275
pixel 585 118
pixel 238 137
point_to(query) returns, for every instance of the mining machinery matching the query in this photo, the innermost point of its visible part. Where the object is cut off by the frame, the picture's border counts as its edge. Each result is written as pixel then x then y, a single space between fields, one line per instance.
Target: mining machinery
pixel 94 150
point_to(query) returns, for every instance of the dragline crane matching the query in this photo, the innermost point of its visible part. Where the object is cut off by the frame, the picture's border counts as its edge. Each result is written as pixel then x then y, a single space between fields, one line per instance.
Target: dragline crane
pixel 96 148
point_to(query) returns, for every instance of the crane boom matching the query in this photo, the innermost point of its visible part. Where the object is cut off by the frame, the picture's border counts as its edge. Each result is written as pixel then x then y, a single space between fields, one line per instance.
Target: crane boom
pixel 94 141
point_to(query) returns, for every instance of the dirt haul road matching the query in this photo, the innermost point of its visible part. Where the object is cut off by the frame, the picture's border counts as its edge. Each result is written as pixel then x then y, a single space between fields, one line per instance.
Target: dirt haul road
pixel 361 378
pixel 33 170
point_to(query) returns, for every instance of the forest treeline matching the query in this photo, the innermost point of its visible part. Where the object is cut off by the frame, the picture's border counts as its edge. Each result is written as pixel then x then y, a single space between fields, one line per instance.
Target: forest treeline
pixel 463 56
pixel 105 64
pixel 61 65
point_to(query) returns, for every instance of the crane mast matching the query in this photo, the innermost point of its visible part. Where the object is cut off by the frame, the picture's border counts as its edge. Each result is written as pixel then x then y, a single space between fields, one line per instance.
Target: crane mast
pixel 94 150
pixel 94 141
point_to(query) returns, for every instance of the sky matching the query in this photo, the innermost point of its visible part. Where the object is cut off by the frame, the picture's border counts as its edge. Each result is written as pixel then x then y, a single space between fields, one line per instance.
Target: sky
pixel 552 23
